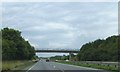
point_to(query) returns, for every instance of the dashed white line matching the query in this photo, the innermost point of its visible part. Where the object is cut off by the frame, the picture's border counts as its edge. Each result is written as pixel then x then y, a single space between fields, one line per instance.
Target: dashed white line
pixel 57 68
pixel 31 67
pixel 54 66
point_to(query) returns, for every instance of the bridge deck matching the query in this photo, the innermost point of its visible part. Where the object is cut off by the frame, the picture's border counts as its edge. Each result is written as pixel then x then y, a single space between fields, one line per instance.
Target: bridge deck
pixel 61 51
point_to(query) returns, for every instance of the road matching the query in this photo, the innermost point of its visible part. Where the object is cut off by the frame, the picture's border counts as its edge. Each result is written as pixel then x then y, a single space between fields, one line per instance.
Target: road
pixel 43 66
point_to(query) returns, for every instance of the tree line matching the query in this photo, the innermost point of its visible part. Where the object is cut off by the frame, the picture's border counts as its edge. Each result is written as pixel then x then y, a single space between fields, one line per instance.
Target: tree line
pixel 101 50
pixel 15 47
pixel 64 57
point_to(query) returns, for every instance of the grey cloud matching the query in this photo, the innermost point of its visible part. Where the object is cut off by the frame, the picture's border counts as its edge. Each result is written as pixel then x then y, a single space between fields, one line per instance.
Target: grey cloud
pixel 65 25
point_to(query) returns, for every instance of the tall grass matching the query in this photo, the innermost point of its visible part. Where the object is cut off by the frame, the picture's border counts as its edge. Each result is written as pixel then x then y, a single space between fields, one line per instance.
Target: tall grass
pixel 0 65
pixel 9 65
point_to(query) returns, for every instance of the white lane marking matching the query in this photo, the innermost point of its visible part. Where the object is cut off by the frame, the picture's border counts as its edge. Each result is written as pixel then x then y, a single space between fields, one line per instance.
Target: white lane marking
pixel 54 66
pixel 58 68
pixel 31 67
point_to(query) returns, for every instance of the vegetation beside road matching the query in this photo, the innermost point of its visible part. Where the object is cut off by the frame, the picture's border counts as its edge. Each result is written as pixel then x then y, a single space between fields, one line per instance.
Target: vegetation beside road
pixel 15 65
pixel 15 47
pixel 98 50
pixel 98 66
pixel 101 50
pixel 16 51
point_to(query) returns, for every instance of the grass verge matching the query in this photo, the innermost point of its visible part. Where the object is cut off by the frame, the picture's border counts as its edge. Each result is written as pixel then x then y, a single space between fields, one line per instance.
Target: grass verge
pixel 15 65
pixel 109 68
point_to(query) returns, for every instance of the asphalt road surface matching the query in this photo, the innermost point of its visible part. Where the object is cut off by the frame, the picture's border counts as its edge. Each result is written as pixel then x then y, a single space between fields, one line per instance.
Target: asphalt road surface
pixel 43 66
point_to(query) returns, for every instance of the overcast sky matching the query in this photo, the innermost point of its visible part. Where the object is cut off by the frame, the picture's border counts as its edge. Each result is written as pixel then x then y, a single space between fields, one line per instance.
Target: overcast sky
pixel 66 25
pixel 59 0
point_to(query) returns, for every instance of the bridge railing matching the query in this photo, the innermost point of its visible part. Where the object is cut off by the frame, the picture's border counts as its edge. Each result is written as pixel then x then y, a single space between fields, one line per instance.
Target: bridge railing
pixel 55 50
pixel 69 49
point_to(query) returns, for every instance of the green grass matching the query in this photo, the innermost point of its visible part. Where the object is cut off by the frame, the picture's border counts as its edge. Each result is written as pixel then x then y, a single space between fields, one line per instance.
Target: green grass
pixel 0 65
pixel 109 68
pixel 14 65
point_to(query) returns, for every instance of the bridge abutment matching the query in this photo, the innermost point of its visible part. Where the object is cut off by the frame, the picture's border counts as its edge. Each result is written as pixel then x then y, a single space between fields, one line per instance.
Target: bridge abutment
pixel 70 56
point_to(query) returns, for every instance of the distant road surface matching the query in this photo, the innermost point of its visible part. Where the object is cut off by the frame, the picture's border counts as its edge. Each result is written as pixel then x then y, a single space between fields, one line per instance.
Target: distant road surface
pixel 43 66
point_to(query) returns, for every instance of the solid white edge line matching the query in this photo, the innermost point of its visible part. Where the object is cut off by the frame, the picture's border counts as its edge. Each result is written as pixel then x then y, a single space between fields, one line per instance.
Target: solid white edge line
pixel 31 67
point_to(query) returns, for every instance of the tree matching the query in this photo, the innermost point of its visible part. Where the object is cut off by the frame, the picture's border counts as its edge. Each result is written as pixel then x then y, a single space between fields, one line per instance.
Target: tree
pixel 14 46
pixel 100 50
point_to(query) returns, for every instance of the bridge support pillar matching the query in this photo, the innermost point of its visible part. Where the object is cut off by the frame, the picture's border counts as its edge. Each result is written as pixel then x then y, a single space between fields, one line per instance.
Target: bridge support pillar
pixel 70 56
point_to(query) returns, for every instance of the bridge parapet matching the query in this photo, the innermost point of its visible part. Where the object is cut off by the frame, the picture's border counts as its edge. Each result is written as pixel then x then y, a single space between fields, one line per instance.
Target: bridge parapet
pixel 62 51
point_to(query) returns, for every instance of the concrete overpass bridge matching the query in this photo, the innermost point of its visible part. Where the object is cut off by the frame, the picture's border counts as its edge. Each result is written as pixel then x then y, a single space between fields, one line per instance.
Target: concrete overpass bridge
pixel 58 51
